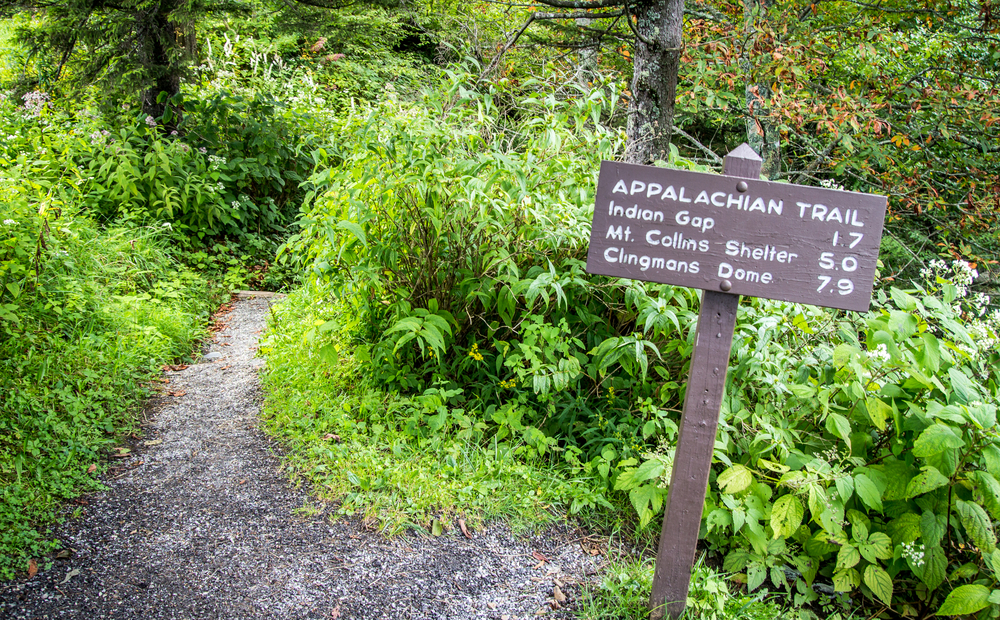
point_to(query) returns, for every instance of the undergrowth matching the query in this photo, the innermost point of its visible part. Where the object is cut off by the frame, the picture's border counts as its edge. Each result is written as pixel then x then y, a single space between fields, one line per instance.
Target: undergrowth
pixel 354 443
pixel 93 315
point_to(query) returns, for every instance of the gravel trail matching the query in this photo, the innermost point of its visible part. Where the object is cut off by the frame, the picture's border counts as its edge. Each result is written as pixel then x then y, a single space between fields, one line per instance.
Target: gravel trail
pixel 199 522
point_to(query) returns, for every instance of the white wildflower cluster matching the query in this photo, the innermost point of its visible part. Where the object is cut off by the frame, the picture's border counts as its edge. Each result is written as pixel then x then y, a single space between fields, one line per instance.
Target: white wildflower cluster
pixel 913 553
pixel 9 222
pixel 831 184
pixel 202 150
pixel 215 162
pixel 98 137
pixel 983 334
pixel 150 121
pixel 34 102
pixel 880 353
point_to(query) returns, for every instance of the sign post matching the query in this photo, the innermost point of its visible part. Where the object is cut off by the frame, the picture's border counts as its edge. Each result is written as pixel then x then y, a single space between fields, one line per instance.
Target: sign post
pixel 730 235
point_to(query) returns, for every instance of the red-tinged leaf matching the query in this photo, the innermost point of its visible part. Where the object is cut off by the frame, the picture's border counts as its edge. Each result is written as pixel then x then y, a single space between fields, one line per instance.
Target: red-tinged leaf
pixel 465 530
pixel 92 469
pixel 32 568
pixel 538 556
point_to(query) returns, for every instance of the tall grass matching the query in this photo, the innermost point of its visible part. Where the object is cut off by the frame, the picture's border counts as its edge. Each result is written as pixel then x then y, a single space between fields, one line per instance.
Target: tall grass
pixel 110 307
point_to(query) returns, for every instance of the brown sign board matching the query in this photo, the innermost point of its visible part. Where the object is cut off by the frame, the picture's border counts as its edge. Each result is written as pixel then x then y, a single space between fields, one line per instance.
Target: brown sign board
pixel 741 236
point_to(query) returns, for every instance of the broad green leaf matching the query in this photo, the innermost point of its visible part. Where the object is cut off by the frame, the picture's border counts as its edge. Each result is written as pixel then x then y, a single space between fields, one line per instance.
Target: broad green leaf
pixel 963 388
pixel 904 324
pixel 985 416
pixel 868 492
pixel 905 528
pixel 647 500
pixel 932 571
pixel 932 528
pixel 877 547
pixel 735 479
pixel 839 427
pixel 786 516
pixel 991 457
pixel 879 412
pixel 897 474
pixel 755 576
pixel 845 487
pixel 927 480
pixel 735 561
pixel 847 557
pixel 978 525
pixel 843 354
pixel 967 599
pixel 328 353
pixel 653 468
pixel 930 355
pixel 846 580
pixel 935 439
pixel 354 229
pixel 879 581
pixel 988 491
pixel 903 300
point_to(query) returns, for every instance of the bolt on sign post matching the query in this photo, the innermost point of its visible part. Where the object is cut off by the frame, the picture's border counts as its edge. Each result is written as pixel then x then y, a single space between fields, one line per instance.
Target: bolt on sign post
pixel 730 235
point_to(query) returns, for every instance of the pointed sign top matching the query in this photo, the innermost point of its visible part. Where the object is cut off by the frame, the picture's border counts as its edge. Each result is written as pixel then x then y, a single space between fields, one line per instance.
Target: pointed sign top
pixel 744 151
pixel 742 161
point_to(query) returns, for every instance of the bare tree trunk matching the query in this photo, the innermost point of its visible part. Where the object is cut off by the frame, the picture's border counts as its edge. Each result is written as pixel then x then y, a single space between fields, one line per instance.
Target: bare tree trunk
pixel 659 30
pixel 762 134
pixel 162 60
pixel 587 56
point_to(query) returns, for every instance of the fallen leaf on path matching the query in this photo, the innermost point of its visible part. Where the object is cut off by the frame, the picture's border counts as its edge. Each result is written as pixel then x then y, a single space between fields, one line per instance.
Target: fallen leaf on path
pixel 436 528
pixel 244 481
pixel 538 556
pixel 226 366
pixel 92 469
pixel 461 525
pixel 155 442
pixel 177 393
pixel 62 555
pixel 70 575
pixel 32 568
pixel 491 605
pixel 336 611
pixel 557 594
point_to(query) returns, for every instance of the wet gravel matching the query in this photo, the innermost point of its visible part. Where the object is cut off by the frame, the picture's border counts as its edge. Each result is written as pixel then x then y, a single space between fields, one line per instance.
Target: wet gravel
pixel 199 522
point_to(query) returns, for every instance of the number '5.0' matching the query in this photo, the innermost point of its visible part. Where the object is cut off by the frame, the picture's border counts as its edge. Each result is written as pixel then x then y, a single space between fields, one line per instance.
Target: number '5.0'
pixel 849 263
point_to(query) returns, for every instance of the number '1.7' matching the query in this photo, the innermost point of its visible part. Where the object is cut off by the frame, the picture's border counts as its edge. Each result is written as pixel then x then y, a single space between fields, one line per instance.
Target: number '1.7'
pixel 844 285
pixel 857 238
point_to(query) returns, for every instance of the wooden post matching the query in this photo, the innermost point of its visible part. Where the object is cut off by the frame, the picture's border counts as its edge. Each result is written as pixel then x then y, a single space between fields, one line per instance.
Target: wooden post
pixel 696 441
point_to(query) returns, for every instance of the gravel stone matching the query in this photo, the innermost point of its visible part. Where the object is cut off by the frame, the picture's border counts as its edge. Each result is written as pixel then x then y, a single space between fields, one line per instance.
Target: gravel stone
pixel 199 522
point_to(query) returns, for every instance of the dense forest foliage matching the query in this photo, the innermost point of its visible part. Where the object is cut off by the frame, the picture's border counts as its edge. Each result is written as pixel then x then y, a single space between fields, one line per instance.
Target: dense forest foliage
pixel 420 179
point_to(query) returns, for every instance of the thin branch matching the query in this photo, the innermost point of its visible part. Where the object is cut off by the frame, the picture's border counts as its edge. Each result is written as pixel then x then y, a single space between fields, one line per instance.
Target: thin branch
pixel 510 43
pixel 635 31
pixel 701 147
pixel 820 158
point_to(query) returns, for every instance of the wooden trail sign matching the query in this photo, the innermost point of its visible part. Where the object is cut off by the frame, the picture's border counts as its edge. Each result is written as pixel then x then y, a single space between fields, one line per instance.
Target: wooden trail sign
pixel 738 235
pixel 730 235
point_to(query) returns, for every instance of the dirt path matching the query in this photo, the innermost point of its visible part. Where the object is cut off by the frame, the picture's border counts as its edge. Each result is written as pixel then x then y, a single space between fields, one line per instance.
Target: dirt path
pixel 198 522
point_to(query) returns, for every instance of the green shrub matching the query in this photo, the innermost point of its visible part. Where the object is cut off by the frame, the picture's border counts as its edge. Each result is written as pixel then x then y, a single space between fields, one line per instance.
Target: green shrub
pixel 452 231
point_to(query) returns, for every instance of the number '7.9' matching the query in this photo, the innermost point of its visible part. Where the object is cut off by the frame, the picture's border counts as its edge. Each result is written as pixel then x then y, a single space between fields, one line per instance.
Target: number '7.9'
pixel 844 285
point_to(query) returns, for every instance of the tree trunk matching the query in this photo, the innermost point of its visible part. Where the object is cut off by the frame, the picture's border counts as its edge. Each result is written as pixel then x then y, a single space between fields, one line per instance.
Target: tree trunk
pixel 659 28
pixel 162 61
pixel 762 134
